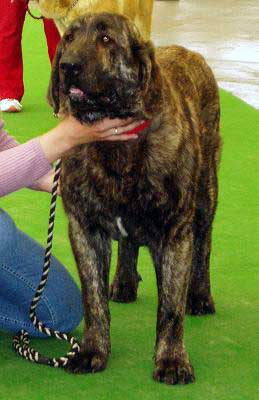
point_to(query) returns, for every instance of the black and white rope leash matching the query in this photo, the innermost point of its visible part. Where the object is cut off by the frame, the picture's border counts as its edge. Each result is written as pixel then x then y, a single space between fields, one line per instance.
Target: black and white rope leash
pixel 21 340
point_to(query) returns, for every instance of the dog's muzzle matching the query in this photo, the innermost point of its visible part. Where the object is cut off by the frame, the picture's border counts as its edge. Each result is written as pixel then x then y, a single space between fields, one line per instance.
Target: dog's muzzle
pixel 111 98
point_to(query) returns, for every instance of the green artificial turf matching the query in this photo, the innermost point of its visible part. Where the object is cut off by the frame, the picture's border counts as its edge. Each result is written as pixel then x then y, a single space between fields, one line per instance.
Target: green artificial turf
pixel 222 347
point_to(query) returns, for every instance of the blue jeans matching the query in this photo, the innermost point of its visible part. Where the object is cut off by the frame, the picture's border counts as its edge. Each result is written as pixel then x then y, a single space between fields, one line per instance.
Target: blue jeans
pixel 21 262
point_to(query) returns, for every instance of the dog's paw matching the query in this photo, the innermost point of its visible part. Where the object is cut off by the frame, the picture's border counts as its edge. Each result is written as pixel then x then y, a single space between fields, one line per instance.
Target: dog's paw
pixel 85 362
pixel 198 305
pixel 124 292
pixel 174 371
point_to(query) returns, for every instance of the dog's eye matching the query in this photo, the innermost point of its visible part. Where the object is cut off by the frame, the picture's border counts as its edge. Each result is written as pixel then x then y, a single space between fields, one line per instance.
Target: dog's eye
pixel 69 37
pixel 135 48
pixel 106 38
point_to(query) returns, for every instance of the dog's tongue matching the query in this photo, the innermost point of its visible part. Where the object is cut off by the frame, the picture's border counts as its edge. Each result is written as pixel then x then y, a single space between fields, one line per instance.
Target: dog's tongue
pixel 76 92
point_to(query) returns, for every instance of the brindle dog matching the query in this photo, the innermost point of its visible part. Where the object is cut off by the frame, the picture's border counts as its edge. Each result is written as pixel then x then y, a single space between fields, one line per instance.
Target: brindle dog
pixel 158 191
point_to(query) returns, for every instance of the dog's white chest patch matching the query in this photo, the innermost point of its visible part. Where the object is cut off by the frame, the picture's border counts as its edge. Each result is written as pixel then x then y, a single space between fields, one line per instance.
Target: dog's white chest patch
pixel 122 230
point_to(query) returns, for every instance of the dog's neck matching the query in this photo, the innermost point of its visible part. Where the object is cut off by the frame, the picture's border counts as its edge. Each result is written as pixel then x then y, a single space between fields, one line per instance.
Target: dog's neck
pixel 125 158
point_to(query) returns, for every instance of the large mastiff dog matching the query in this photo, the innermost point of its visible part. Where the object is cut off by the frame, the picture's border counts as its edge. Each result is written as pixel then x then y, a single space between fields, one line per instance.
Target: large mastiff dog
pixel 158 191
pixel 65 11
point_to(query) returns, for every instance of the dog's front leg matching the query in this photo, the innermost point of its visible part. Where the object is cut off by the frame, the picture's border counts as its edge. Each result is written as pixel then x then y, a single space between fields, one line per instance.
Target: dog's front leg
pixel 173 263
pixel 92 252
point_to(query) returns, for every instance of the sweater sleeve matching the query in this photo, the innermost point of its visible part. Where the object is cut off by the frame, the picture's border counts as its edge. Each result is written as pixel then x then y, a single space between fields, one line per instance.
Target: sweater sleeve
pixel 22 165
pixel 6 141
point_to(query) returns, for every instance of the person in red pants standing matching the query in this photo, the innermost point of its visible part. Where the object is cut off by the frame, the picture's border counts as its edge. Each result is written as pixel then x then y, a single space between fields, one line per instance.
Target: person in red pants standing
pixel 12 18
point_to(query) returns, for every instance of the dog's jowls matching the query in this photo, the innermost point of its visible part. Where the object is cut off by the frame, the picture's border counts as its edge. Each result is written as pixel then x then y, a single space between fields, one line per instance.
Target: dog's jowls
pixel 158 191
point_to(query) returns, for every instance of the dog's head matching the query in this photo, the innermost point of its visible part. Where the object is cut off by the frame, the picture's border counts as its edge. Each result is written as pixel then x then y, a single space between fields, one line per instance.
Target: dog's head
pixel 103 68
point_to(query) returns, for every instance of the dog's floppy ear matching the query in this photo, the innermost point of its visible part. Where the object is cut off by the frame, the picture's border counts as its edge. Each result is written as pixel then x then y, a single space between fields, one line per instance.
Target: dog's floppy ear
pixel 53 90
pixel 150 78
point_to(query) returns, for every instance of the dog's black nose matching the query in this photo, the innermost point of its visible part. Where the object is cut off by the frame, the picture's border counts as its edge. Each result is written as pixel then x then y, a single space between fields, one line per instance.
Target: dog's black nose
pixel 71 68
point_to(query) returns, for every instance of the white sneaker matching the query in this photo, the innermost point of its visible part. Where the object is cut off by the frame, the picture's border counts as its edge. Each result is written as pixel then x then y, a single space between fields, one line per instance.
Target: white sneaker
pixel 10 105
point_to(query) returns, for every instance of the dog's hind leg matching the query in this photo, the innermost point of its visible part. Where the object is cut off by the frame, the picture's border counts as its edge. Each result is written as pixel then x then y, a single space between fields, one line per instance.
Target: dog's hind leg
pixel 125 283
pixel 199 299
pixel 92 252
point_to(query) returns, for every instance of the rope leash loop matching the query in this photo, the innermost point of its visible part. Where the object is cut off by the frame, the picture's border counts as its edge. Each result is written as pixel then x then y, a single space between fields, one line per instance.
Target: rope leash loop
pixel 21 340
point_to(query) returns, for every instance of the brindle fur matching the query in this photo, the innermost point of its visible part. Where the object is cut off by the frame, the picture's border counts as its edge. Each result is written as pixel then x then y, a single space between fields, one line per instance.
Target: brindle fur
pixel 162 186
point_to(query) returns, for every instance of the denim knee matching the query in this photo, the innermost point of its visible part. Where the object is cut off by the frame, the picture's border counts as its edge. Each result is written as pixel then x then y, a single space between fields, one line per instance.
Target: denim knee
pixel 21 260
pixel 60 311
pixel 8 233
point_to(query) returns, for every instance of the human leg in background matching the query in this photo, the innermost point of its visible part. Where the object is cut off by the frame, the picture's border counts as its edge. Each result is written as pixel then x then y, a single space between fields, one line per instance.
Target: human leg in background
pixel 11 64
pixel 52 36
pixel 21 262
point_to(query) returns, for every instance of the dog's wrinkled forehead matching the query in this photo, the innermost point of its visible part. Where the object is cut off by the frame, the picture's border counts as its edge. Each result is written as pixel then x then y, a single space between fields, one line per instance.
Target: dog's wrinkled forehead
pixel 109 29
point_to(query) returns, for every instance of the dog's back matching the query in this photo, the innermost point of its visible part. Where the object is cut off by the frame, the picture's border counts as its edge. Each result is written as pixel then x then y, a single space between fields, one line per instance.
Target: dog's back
pixel 191 76
pixel 192 79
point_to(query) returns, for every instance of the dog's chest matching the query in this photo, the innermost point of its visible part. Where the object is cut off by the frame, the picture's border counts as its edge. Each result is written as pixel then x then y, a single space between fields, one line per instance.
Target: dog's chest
pixel 129 204
pixel 125 208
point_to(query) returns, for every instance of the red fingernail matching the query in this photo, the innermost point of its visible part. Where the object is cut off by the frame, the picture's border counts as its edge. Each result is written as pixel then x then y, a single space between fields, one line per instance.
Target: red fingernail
pixel 139 128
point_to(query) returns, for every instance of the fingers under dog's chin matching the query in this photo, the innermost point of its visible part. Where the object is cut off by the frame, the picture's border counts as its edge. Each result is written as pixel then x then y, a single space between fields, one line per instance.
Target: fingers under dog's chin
pixel 93 116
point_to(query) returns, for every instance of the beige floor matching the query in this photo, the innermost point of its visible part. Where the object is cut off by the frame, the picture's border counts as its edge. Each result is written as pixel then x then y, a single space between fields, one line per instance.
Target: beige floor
pixel 226 32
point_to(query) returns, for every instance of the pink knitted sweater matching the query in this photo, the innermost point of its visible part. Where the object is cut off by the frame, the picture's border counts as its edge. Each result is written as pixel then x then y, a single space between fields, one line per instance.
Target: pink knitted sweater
pixel 20 164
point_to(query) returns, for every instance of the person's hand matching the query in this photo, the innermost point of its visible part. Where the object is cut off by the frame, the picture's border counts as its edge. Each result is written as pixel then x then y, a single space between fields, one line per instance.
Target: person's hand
pixel 107 129
pixel 70 133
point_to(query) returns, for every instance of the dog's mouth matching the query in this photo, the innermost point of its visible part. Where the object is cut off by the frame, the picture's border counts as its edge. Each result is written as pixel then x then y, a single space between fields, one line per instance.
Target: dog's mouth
pixel 76 94
pixel 91 107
